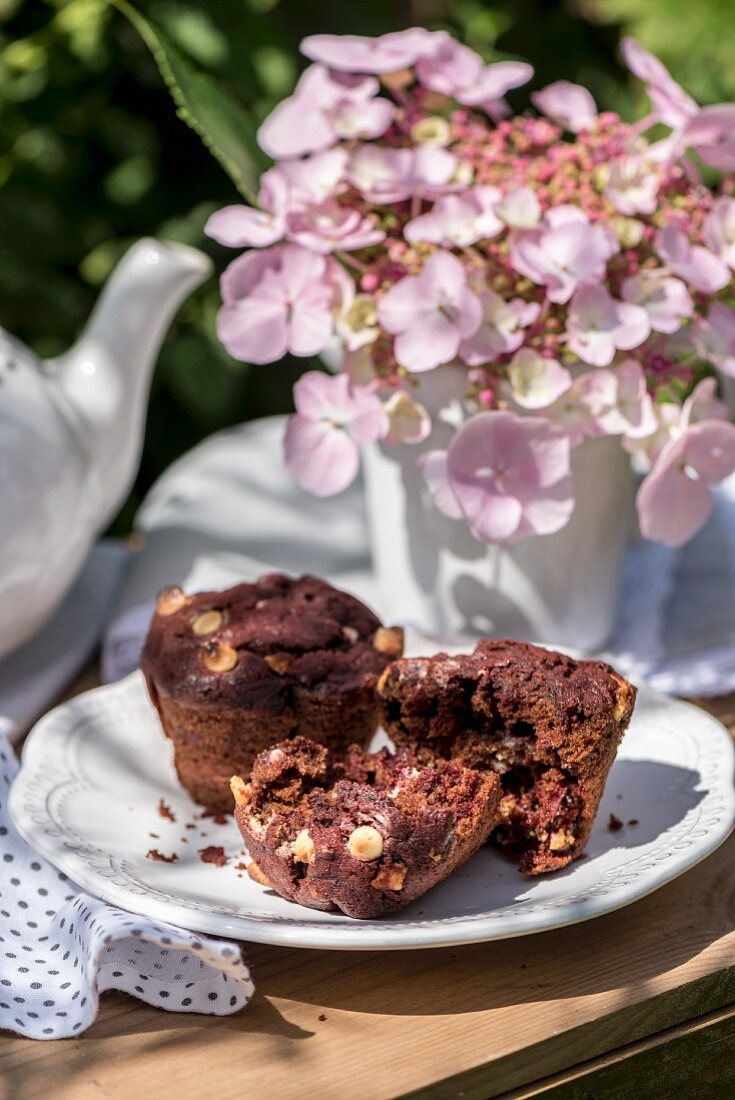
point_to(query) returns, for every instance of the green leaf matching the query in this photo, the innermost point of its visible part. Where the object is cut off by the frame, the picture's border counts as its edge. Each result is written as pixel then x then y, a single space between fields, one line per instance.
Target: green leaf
pixel 205 105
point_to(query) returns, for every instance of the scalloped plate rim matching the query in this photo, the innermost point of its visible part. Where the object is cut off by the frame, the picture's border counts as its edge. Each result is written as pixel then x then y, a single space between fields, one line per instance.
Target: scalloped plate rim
pixel 56 842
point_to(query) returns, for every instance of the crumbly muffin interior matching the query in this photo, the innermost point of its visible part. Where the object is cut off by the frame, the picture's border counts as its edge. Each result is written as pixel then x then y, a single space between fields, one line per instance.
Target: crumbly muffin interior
pixel 361 832
pixel 548 726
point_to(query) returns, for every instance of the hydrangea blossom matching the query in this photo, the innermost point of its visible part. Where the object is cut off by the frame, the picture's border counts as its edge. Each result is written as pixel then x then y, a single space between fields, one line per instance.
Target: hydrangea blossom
pixel 563 251
pixel 332 417
pixel 676 499
pixel 507 476
pixel 277 301
pixel 568 105
pixel 568 267
pixel 598 326
pixel 430 313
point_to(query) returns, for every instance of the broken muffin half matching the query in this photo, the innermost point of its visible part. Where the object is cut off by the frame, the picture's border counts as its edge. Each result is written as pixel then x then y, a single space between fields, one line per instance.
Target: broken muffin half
pixel 548 725
pixel 364 833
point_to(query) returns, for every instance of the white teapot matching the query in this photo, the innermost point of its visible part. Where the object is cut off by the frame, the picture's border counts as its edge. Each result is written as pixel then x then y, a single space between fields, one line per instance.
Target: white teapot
pixel 71 431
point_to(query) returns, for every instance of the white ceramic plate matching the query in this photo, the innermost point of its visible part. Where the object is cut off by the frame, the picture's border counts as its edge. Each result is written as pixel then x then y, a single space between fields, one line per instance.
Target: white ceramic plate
pixel 94 770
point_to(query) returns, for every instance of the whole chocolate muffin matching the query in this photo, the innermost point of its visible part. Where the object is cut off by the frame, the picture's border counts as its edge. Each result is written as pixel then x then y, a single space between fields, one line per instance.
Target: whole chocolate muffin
pixel 362 833
pixel 548 725
pixel 232 672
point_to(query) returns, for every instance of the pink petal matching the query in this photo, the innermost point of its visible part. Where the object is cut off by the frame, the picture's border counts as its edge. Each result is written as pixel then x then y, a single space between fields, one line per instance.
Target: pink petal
pixel 310 330
pixel 359 54
pixel 709 447
pixel 634 326
pixel 323 459
pixel 243 227
pixel 356 119
pixel 253 331
pixel 671 102
pixel 244 273
pixel 427 345
pixel 493 82
pixel 569 105
pixel 510 475
pixel 672 506
pixel 296 126
pixel 433 465
pixel 397 308
pixel 697 266
pixel 318 395
pixel 711 133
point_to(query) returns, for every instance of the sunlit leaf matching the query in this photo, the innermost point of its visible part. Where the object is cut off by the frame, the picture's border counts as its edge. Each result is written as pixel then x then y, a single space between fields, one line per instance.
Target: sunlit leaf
pixel 206 106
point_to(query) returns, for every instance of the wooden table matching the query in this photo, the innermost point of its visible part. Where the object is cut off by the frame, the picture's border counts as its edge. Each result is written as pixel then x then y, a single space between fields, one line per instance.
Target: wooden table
pixel 637 1004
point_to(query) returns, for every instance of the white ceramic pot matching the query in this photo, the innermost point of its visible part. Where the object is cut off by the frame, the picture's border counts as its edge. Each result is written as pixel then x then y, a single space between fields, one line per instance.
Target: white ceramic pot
pixel 561 588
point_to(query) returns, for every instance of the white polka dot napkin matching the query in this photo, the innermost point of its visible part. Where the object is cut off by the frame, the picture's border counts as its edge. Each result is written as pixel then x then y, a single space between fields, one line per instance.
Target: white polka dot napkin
pixel 60 948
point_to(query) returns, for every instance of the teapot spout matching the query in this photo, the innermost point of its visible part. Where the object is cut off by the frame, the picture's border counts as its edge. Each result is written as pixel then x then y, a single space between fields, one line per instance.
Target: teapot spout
pixel 102 383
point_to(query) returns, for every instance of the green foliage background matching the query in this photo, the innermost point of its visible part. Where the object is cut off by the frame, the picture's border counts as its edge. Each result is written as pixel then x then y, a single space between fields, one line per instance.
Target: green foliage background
pixel 92 155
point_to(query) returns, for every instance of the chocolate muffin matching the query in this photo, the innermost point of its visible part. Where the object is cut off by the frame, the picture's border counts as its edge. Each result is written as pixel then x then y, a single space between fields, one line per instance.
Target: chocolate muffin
pixel 362 833
pixel 232 672
pixel 548 725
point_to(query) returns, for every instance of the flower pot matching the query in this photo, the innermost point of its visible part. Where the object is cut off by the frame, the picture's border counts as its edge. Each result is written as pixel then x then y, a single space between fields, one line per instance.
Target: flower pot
pixel 432 572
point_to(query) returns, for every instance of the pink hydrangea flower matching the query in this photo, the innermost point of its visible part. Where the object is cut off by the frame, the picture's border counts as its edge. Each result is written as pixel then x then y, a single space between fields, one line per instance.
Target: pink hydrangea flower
pixel 324 108
pixel 536 381
pixel 671 103
pixel 386 175
pixel 315 178
pixel 330 226
pixel 502 327
pixel 297 205
pixel 569 105
pixel 697 266
pixel 507 476
pixel 574 412
pixel 675 500
pixel 407 421
pixel 240 226
pixel 631 187
pixel 279 300
pixel 703 404
pixel 619 402
pixel 458 220
pixel 430 313
pixel 457 71
pixel 714 337
pixel 598 325
pixel 665 299
pixel 332 417
pixel 563 251
pixel 711 134
pixel 718 229
pixel 519 208
pixel 354 53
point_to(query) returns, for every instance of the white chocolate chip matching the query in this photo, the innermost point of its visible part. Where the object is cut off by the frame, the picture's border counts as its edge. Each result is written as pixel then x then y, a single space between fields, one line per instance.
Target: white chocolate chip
pixel 389 640
pixel 561 840
pixel 240 790
pixel 279 662
pixel 390 878
pixel 365 843
pixel 219 658
pixel 170 600
pixel 350 634
pixel 207 622
pixel 303 848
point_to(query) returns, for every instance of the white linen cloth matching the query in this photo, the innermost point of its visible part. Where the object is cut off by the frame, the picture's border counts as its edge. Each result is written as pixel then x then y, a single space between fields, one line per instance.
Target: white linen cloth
pixel 230 510
pixel 59 947
pixel 33 676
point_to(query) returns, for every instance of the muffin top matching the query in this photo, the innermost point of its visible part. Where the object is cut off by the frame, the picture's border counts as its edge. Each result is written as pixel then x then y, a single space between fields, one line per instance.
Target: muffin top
pixel 507 687
pixel 255 644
